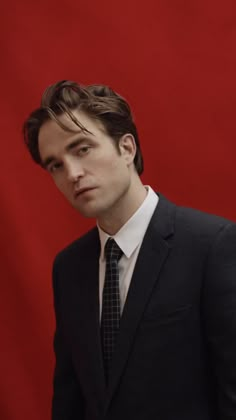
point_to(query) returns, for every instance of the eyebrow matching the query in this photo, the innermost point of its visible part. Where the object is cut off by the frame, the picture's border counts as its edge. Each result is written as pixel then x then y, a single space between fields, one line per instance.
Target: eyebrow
pixel 69 147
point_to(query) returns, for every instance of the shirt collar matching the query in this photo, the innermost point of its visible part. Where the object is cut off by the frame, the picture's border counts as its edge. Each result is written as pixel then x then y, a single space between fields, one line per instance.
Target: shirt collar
pixel 132 232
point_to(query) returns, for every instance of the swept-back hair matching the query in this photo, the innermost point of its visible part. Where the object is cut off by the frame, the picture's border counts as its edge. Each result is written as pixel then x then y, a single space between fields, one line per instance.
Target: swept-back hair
pixel 97 101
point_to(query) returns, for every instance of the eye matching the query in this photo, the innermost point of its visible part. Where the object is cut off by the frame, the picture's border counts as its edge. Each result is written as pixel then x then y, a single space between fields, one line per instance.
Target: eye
pixel 54 167
pixel 83 150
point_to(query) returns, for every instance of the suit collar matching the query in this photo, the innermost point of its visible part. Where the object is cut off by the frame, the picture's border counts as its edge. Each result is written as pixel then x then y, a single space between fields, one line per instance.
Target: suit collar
pixel 163 220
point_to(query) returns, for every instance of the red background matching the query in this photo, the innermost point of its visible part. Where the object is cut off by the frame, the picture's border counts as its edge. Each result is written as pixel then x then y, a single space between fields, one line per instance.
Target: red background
pixel 174 60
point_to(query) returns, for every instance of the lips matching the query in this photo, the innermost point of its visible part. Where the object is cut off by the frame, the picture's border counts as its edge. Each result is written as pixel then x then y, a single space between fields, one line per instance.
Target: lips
pixel 82 190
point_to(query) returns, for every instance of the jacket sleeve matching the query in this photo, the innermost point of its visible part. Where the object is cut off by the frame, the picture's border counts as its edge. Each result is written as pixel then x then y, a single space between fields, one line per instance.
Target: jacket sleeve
pixel 67 402
pixel 220 318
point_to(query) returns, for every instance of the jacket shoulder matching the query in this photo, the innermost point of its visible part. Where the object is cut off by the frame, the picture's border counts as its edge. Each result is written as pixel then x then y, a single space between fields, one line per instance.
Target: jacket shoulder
pixel 80 247
pixel 199 221
pixel 190 222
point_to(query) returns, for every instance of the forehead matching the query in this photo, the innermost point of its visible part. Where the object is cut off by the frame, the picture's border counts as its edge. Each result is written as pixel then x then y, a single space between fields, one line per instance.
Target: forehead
pixel 69 127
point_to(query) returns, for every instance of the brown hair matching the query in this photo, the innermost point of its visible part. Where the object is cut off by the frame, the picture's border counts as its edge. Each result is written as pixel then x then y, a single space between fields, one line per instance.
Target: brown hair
pixel 97 101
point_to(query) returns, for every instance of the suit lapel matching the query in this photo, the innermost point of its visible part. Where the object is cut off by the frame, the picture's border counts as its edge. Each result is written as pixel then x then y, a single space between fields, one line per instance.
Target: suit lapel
pixel 88 314
pixel 152 255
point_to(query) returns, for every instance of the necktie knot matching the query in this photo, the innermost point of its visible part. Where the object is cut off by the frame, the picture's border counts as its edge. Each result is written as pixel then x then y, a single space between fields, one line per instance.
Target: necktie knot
pixel 112 250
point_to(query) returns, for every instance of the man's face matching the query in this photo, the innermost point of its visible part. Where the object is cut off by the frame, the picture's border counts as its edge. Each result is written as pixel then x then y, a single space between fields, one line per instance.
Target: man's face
pixel 87 168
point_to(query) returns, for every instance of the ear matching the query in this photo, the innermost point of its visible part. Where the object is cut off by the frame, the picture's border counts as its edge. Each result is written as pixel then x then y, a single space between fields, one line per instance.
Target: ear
pixel 127 148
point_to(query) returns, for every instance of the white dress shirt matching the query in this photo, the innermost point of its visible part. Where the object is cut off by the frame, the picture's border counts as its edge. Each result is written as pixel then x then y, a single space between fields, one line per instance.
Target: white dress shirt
pixel 129 238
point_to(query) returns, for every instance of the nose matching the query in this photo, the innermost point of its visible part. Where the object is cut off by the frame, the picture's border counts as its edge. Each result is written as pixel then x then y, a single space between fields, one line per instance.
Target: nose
pixel 74 171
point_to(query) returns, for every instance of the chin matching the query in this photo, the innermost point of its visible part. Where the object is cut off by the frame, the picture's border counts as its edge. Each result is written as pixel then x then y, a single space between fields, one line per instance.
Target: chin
pixel 87 212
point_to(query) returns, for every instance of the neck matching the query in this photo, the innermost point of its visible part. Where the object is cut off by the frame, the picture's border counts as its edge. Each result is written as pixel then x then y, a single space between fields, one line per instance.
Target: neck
pixel 128 204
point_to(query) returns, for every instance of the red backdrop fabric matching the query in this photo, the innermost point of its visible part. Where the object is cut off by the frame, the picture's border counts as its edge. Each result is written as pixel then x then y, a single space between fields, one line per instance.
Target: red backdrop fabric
pixel 175 62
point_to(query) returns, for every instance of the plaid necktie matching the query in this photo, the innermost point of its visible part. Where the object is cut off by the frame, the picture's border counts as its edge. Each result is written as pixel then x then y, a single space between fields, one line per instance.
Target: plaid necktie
pixel 110 320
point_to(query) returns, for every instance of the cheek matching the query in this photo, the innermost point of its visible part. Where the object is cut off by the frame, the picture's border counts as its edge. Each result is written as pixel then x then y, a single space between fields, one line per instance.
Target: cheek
pixel 112 165
pixel 116 178
pixel 61 185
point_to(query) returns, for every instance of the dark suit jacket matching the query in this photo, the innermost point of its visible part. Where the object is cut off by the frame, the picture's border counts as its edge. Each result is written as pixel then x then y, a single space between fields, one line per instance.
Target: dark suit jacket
pixel 175 357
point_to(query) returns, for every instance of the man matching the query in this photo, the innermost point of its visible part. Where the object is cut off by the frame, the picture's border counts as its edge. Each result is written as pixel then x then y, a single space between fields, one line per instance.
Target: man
pixel 145 302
